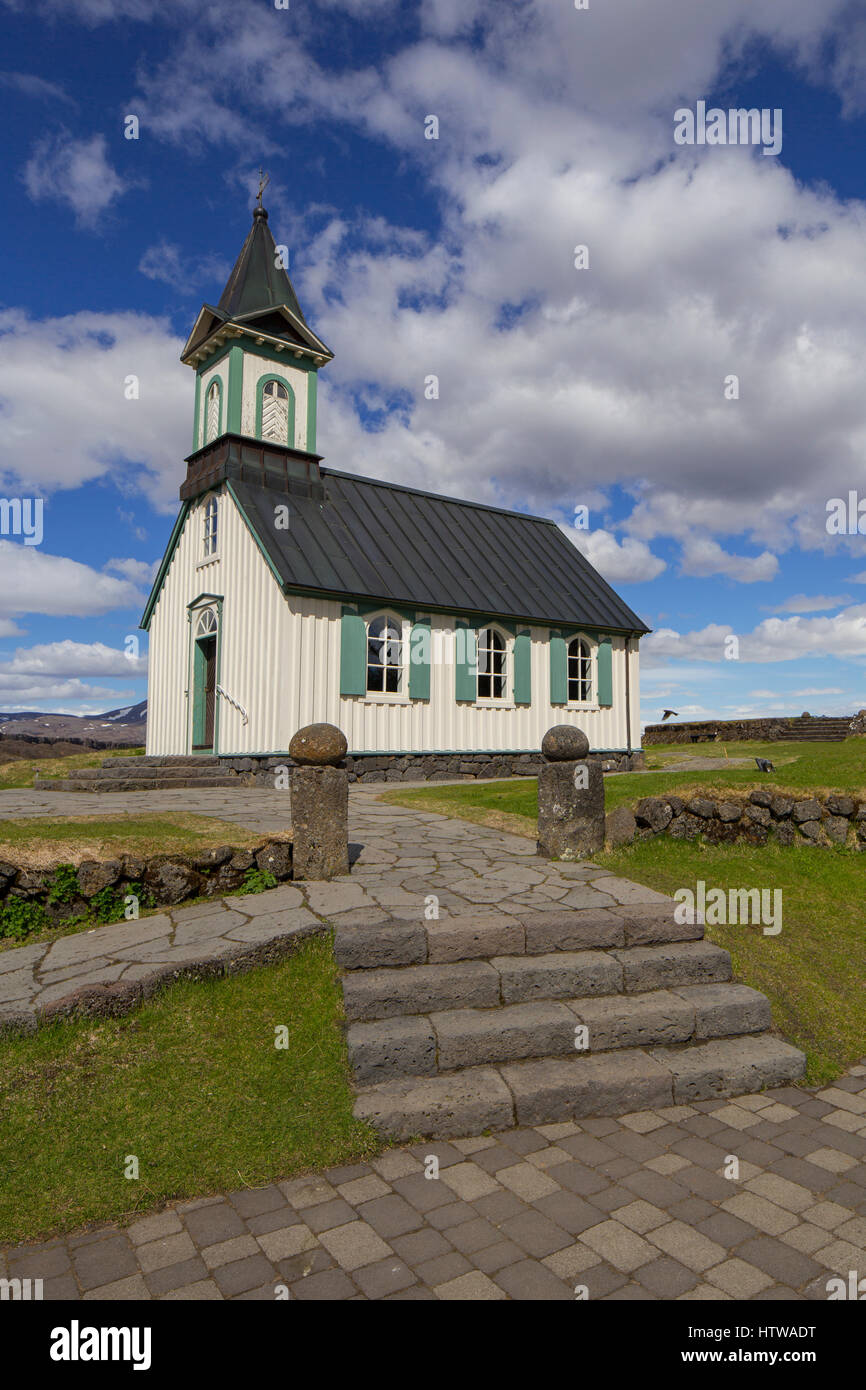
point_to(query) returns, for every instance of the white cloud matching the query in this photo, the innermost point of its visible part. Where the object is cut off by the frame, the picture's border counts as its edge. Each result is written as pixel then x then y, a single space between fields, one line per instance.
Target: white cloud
pixel 10 629
pixel 166 262
pixel 817 603
pixel 73 659
pixel 28 691
pixel 619 562
pixel 31 86
pixel 139 572
pixel 32 581
pixel 774 639
pixel 704 557
pixel 65 419
pixel 75 172
pixel 552 133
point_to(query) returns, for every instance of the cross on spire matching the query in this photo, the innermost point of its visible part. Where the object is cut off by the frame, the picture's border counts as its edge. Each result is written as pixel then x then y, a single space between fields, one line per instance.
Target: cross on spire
pixel 264 180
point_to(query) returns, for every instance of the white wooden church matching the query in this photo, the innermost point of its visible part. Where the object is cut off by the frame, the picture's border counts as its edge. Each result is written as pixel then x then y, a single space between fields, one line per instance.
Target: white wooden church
pixel 292 593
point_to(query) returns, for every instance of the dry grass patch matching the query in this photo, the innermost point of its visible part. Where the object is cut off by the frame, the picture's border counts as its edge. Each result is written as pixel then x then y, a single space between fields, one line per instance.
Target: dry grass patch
pixel 42 842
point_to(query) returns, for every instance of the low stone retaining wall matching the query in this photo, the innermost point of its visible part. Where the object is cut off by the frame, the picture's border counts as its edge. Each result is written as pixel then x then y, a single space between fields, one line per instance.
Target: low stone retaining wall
pixel 755 819
pixel 97 888
pixel 428 767
pixel 764 730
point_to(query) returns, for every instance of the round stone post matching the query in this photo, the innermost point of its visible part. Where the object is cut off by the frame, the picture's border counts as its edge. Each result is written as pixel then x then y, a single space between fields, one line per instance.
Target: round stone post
pixel 570 796
pixel 320 802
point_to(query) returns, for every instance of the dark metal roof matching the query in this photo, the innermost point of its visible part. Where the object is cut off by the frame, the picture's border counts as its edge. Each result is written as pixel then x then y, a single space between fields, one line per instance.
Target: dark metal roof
pixel 382 542
pixel 257 282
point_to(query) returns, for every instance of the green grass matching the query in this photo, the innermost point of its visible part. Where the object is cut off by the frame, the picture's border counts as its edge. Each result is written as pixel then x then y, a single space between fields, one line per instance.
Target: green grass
pixel 813 972
pixel 192 1084
pixel 20 772
pixel 802 768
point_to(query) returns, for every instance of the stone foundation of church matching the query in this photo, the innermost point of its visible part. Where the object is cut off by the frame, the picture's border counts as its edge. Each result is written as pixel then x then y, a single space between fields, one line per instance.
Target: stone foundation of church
pixel 428 767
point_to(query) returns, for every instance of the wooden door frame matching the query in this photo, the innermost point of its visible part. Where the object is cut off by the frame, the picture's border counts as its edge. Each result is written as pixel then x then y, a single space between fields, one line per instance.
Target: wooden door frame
pixel 195 685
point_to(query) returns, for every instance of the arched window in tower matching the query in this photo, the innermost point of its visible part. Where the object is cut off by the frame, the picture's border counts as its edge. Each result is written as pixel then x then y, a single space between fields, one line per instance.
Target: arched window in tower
pixel 275 413
pixel 211 519
pixel 579 671
pixel 212 412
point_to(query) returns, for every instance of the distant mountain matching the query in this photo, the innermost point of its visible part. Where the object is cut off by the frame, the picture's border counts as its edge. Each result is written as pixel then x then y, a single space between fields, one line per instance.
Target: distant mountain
pixel 117 728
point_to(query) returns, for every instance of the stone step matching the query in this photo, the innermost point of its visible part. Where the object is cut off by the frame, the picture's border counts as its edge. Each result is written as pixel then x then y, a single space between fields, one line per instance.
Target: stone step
pixel 420 989
pixel 165 760
pixel 681 963
pixel 459 1038
pixel 143 784
pixel 130 774
pixel 484 935
pixel 544 1091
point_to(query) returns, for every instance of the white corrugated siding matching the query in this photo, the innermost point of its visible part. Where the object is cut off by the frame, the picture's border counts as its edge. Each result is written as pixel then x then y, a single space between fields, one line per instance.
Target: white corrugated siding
pixel 281 661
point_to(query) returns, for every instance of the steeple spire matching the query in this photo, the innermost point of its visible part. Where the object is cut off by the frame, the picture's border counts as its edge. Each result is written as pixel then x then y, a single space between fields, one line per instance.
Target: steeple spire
pixel 259 281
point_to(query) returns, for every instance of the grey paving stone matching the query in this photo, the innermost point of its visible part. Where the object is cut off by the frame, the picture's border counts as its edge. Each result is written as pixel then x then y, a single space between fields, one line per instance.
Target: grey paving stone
pixel 532 1281
pixel 331 1285
pixel 176 1276
pixel 215 1223
pixel 387 1277
pixel 390 1216
pixel 104 1262
pixel 242 1275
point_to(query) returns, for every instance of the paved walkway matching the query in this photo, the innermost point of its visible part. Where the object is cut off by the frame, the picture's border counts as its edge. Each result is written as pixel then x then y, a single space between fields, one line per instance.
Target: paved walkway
pixel 634 1207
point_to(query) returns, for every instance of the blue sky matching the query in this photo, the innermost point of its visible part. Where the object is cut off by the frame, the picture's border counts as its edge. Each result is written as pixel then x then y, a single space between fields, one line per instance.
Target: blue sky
pixel 559 387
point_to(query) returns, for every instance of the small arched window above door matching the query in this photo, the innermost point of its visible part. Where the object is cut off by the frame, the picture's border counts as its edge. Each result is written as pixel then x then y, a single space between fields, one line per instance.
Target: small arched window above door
pixel 207 623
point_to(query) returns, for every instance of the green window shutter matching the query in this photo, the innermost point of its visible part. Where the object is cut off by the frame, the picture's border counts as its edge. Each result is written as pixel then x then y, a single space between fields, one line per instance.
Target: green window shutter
pixel 353 654
pixel 558 670
pixel 466 663
pixel 523 669
pixel 604 662
pixel 420 639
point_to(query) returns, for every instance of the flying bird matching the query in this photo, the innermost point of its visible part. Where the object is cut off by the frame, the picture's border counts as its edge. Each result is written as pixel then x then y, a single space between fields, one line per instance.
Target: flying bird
pixel 667 714
pixel 764 765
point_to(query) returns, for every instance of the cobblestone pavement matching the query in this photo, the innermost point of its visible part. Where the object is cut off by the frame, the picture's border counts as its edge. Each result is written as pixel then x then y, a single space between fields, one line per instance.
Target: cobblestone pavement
pixel 626 1208
pixel 632 1207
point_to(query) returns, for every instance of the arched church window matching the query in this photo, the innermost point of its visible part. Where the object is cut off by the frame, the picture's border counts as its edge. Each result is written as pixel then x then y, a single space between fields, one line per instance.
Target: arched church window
pixel 491 664
pixel 579 671
pixel 212 412
pixel 211 520
pixel 384 656
pixel 275 412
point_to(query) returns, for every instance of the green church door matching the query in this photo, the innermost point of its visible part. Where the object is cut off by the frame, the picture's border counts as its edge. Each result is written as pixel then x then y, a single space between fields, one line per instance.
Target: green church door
pixel 205 695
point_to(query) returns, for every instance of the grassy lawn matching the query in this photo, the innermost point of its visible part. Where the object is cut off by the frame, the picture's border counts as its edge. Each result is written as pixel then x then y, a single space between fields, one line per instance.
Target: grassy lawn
pixel 814 971
pixel 800 767
pixel 20 772
pixel 191 1084
pixel 41 841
